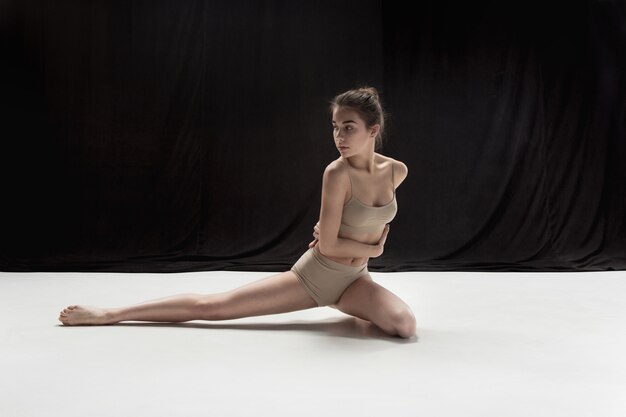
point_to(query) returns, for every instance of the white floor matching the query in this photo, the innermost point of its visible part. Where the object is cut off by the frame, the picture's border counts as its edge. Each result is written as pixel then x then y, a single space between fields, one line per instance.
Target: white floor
pixel 489 344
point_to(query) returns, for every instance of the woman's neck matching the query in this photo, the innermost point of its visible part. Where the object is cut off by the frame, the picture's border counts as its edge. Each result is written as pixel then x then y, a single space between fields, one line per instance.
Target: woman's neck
pixel 364 161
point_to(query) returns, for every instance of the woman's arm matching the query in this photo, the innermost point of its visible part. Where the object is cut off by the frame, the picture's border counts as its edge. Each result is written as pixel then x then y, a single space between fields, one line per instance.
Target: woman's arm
pixel 334 187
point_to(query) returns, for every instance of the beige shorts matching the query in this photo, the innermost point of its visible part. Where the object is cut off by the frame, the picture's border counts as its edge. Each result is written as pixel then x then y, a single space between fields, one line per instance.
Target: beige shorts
pixel 324 279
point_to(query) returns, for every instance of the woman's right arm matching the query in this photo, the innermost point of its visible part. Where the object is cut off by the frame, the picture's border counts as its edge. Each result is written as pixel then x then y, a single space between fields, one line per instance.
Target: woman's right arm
pixel 334 187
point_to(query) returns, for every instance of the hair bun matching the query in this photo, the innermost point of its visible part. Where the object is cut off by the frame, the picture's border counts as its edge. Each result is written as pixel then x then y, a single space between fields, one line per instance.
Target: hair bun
pixel 370 90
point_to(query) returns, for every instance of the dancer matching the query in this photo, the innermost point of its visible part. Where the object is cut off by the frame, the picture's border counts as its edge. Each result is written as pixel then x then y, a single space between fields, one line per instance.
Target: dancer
pixel 358 202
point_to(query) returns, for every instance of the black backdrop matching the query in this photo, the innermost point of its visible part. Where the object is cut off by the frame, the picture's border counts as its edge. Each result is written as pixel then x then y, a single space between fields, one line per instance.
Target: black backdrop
pixel 192 135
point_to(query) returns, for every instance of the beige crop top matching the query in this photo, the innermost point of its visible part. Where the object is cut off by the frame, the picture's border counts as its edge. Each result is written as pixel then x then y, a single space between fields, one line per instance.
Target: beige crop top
pixel 361 218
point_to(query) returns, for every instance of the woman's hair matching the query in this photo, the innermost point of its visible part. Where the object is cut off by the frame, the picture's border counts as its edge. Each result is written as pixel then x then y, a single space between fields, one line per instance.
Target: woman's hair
pixel 366 102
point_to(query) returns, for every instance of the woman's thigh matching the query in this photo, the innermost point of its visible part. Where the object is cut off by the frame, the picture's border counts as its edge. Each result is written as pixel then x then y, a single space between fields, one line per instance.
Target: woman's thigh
pixel 280 293
pixel 370 301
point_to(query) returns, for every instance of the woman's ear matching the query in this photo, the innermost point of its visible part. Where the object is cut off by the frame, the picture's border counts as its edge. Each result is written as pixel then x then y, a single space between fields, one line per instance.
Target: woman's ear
pixel 375 129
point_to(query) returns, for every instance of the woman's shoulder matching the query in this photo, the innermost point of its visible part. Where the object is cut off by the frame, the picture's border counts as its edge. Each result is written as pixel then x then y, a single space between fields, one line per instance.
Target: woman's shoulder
pixel 336 167
pixel 400 170
pixel 398 166
pixel 336 175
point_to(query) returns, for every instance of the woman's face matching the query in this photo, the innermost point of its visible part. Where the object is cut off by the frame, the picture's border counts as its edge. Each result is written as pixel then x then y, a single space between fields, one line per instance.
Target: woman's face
pixel 350 132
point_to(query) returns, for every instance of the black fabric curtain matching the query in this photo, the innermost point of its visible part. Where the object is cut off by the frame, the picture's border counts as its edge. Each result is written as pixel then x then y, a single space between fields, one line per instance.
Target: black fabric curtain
pixel 166 136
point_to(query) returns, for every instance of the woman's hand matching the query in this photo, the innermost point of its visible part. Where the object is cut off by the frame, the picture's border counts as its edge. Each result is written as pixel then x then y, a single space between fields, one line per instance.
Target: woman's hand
pixel 380 246
pixel 316 235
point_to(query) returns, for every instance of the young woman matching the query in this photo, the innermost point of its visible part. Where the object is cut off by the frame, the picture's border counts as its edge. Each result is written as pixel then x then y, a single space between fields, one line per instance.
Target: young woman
pixel 358 202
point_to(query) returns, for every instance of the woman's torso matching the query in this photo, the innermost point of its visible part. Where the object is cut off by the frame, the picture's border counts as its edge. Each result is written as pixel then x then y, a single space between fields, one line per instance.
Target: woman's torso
pixel 368 193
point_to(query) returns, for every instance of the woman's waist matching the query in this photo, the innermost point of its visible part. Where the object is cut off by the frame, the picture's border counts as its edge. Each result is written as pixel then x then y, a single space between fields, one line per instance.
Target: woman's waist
pixel 349 262
pixel 370 238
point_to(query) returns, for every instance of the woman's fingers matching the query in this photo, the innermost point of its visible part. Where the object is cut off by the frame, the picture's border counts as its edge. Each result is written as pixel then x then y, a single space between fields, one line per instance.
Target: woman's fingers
pixel 316 231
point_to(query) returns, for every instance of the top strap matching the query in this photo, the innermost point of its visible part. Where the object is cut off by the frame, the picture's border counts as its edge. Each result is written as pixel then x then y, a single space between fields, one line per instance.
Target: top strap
pixel 349 177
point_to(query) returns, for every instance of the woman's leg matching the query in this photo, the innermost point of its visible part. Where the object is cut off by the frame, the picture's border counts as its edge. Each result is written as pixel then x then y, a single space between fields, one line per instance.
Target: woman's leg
pixel 368 300
pixel 279 293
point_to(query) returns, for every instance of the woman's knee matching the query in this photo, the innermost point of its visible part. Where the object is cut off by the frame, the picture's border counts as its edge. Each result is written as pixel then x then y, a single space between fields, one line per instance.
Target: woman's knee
pixel 404 323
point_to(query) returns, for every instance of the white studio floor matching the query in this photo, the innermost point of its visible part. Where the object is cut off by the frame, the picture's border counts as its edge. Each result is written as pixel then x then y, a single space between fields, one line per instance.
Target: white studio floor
pixel 489 344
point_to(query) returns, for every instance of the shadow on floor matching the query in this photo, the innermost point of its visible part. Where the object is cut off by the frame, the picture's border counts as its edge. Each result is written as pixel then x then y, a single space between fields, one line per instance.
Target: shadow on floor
pixel 350 327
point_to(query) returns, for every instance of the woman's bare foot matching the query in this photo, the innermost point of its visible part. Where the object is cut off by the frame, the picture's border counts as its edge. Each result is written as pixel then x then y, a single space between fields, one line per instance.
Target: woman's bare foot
pixel 85 315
